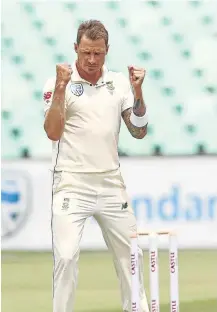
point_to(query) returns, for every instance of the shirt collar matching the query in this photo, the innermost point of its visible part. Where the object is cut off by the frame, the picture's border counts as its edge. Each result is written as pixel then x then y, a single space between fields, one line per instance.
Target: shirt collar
pixel 77 78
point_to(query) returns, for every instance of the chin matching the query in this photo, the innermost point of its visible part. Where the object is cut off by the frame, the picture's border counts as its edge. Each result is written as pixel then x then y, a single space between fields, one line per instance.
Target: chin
pixel 92 70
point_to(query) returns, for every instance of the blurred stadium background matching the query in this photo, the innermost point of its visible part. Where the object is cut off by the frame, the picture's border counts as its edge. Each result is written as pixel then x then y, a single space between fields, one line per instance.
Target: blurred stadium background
pixel 171 175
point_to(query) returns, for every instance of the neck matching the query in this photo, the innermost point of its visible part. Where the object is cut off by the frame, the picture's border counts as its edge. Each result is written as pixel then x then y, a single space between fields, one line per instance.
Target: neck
pixel 90 78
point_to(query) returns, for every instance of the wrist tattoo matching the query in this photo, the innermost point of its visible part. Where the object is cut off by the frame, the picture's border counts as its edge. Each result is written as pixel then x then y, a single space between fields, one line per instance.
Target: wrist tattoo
pixel 139 107
pixel 137 104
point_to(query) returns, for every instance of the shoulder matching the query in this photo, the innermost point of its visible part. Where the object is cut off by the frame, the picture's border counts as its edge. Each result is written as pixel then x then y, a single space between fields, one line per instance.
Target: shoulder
pixel 49 83
pixel 119 79
pixel 118 76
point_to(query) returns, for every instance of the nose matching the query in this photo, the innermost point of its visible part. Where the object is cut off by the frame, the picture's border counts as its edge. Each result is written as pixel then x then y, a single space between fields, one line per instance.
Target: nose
pixel 92 59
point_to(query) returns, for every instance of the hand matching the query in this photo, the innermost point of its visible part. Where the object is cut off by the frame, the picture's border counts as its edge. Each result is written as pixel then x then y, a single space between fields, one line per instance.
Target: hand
pixel 136 76
pixel 63 73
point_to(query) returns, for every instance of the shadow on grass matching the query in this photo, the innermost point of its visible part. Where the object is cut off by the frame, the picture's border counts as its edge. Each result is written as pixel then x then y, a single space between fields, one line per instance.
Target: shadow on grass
pixel 194 306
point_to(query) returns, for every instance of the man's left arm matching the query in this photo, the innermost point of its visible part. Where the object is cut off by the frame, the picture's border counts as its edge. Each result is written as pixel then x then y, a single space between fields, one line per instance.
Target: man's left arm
pixel 135 117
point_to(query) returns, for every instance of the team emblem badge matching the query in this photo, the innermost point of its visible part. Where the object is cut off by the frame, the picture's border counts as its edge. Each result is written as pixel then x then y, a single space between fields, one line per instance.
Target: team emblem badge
pixel 16 194
pixel 110 85
pixel 77 89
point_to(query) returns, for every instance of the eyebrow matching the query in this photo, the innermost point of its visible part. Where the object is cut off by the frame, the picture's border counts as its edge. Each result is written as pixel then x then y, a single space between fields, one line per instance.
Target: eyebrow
pixel 96 50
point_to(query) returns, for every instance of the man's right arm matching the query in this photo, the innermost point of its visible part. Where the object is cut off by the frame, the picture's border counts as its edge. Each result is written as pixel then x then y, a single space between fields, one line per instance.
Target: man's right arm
pixel 55 115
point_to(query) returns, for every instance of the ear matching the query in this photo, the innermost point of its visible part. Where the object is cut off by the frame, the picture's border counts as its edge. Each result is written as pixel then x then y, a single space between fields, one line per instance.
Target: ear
pixel 107 48
pixel 76 47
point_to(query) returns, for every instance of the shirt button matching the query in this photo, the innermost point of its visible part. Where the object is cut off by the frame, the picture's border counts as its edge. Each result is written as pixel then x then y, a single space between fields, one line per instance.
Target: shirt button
pixel 91 84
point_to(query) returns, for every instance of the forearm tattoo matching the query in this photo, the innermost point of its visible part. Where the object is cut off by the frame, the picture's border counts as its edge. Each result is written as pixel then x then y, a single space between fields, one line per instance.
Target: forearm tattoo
pixel 136 132
pixel 139 107
pixel 137 104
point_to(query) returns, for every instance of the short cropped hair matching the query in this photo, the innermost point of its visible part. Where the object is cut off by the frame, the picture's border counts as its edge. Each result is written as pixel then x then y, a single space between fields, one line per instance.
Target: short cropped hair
pixel 93 30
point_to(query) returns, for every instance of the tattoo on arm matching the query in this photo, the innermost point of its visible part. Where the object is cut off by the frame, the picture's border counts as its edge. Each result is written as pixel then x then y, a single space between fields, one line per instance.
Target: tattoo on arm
pixel 136 132
pixel 139 108
pixel 137 104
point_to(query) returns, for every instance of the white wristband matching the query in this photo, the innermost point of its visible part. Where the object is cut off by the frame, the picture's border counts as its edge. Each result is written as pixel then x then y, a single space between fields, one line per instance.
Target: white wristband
pixel 138 121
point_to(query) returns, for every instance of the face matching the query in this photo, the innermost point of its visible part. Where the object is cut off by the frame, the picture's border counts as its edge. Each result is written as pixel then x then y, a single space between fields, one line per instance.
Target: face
pixel 91 54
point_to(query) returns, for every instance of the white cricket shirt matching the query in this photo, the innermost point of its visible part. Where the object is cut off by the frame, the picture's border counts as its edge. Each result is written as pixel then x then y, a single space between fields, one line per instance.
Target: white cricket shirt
pixel 89 142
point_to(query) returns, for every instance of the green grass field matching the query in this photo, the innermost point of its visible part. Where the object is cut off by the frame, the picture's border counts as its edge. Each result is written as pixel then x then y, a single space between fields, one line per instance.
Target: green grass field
pixel 26 282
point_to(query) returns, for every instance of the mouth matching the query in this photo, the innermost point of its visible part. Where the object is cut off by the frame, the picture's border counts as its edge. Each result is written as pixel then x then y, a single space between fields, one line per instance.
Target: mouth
pixel 92 67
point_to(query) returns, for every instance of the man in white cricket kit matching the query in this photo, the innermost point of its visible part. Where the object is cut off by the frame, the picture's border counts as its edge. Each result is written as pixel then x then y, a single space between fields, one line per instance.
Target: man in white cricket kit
pixel 84 105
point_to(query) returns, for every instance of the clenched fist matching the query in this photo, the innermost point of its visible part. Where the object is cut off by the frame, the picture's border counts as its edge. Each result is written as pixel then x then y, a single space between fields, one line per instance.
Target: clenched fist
pixel 63 73
pixel 136 76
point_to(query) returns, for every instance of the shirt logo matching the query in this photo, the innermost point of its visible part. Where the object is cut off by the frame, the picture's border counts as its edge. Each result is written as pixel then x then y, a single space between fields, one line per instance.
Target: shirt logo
pixel 47 96
pixel 124 206
pixel 77 89
pixel 110 85
pixel 65 205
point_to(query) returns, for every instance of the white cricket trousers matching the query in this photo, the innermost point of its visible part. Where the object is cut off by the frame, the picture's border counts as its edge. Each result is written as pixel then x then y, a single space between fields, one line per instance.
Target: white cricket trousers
pixel 77 196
